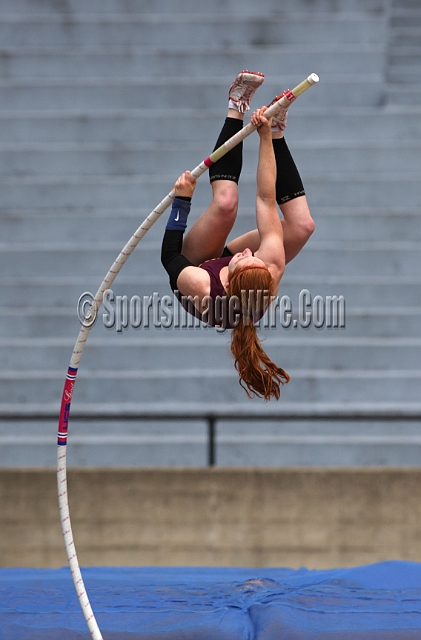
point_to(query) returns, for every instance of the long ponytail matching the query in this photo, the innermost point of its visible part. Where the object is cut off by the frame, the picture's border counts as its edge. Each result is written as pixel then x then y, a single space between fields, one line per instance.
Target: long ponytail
pixel 259 376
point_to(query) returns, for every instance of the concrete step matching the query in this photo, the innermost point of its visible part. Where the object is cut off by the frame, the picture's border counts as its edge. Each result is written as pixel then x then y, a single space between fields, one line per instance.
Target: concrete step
pixel 204 349
pixel 364 290
pixel 154 444
pixel 405 18
pixel 117 159
pixel 238 443
pixel 405 74
pixel 197 93
pixel 122 192
pixel 182 59
pixel 220 30
pixel 405 54
pixel 127 126
pixel 106 224
pixel 409 94
pixel 405 36
pixel 61 259
pixel 241 7
pixel 400 5
pixel 318 444
pixel 404 64
pixel 383 322
pixel 151 386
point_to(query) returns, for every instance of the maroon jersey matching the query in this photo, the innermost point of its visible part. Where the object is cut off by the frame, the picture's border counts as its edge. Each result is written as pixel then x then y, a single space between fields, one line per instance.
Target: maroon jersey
pixel 213 267
pixel 219 313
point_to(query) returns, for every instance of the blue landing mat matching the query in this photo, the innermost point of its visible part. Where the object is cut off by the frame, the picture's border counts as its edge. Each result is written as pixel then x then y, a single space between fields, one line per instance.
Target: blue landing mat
pixel 375 602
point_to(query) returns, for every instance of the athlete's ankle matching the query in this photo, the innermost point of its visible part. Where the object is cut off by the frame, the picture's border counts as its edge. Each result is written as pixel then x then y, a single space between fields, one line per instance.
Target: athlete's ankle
pixel 277 135
pixel 234 113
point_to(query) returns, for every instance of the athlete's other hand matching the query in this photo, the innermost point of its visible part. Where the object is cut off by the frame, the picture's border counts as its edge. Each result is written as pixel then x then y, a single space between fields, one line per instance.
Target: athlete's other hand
pixel 185 185
pixel 263 124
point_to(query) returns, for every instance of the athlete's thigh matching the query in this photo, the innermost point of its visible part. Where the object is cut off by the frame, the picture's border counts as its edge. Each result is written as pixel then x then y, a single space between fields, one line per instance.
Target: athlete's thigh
pixel 249 240
pixel 206 239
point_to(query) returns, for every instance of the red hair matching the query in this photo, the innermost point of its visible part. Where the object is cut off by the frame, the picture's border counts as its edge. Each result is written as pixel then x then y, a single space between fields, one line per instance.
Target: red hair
pixel 259 376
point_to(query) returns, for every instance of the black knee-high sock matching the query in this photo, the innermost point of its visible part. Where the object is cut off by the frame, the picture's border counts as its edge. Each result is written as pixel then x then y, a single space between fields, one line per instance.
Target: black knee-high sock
pixel 288 181
pixel 229 166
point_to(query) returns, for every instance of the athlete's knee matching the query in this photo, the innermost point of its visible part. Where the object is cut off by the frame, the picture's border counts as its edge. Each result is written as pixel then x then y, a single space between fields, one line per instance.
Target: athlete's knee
pixel 225 199
pixel 308 225
pixel 304 227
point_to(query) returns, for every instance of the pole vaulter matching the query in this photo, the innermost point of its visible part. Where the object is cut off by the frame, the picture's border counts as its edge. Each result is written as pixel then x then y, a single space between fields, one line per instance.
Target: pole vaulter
pixel 284 102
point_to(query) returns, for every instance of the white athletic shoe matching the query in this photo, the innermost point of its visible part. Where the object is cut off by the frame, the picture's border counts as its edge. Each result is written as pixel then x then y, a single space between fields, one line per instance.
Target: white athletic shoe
pixel 242 89
pixel 279 120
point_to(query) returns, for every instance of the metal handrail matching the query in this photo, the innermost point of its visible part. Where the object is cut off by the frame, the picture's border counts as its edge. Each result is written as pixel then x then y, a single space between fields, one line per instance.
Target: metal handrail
pixel 389 413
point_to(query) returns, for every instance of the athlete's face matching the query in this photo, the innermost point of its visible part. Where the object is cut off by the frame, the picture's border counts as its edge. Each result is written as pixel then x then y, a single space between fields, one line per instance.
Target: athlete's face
pixel 244 259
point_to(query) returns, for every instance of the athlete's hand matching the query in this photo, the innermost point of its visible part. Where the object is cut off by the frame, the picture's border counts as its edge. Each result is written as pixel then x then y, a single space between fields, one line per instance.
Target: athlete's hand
pixel 263 124
pixel 185 185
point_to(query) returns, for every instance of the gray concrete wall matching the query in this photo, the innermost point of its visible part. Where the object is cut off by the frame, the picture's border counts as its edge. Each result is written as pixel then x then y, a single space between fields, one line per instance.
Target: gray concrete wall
pixel 244 517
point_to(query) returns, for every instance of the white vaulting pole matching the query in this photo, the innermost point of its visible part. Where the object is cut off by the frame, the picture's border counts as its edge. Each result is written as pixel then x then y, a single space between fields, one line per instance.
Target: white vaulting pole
pixel 284 101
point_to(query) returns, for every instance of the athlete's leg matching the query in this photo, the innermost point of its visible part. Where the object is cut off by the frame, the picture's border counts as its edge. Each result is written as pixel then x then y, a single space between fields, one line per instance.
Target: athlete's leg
pixel 298 225
pixel 297 222
pixel 207 237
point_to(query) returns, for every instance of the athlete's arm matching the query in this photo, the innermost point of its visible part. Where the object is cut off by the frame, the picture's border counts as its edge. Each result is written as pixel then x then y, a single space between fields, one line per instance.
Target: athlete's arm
pixel 193 281
pixel 271 249
pixel 184 276
pixel 171 257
